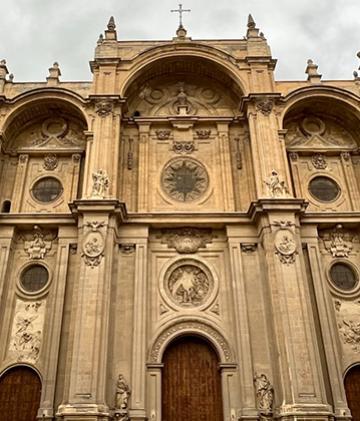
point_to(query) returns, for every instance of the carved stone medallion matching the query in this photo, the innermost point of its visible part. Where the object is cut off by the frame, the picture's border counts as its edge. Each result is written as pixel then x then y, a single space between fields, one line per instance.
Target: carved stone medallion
pixel 93 248
pixel 285 246
pixel 184 179
pixel 188 285
pixel 50 162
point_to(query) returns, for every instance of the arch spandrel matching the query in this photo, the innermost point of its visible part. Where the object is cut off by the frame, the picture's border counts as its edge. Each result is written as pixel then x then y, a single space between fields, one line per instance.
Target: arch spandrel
pixel 190 327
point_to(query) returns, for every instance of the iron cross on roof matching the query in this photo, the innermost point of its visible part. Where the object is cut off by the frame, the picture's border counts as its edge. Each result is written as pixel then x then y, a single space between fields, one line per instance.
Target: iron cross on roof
pixel 180 10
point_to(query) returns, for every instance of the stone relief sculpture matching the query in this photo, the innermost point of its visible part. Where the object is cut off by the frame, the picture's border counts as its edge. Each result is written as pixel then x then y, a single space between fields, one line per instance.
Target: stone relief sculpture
pixel 276 188
pixel 104 108
pixel 265 106
pixel 189 286
pixel 27 331
pixel 187 240
pixel 93 244
pixel 264 394
pixel 38 246
pixel 122 396
pixel 319 162
pixel 285 246
pixel 339 242
pixel 183 147
pixel 50 162
pixel 163 134
pixel 100 184
pixel 350 332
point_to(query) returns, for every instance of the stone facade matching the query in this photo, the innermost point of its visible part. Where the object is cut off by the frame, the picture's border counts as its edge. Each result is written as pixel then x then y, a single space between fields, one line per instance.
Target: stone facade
pixel 182 191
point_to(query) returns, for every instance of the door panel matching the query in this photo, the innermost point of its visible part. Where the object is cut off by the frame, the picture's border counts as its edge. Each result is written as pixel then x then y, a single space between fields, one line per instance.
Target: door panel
pixel 191 383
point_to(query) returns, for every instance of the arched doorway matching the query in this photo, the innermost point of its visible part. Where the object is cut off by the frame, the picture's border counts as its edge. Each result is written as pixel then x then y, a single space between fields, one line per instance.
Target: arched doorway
pixel 20 391
pixel 191 382
pixel 352 389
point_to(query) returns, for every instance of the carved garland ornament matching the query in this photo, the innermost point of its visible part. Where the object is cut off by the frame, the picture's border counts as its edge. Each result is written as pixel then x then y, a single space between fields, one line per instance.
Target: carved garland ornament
pixel 190 327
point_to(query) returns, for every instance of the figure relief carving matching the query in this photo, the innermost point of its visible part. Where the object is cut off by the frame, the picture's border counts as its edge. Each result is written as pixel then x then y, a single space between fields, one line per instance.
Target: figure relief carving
pixel 183 147
pixel 203 134
pixel 319 162
pixel 187 240
pixel 190 326
pixel 350 332
pixel 38 243
pixel 285 246
pixel 163 134
pixel 189 286
pixel 265 106
pixel 315 132
pixel 338 242
pixel 337 304
pixel 93 244
pixel 264 394
pixel 27 330
pixel 276 188
pixel 104 108
pixel 100 185
pixel 50 162
pixel 122 397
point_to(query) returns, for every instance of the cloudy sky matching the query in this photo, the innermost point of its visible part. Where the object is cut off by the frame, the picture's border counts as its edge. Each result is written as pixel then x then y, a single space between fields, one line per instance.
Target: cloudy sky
pixel 35 33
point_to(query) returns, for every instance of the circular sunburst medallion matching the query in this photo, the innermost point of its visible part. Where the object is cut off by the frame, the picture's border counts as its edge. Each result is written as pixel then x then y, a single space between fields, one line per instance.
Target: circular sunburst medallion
pixel 188 285
pixel 184 179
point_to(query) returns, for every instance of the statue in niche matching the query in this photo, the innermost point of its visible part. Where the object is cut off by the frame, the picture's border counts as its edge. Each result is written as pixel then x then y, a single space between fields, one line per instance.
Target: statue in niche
pixel 100 184
pixel 122 395
pixel 276 187
pixel 264 394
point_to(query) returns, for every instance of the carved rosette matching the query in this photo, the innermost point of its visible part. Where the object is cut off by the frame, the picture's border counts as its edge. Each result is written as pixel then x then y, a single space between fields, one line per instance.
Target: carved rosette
pixel 93 245
pixel 319 162
pixel 187 240
pixel 285 246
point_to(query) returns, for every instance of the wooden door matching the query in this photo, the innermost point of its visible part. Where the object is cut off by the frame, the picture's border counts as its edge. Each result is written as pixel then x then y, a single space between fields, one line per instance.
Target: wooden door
pixel 20 390
pixel 191 383
pixel 352 388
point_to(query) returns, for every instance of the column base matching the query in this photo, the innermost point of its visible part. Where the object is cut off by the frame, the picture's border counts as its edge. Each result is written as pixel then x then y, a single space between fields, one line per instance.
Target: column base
pixel 303 412
pixel 137 415
pixel 83 412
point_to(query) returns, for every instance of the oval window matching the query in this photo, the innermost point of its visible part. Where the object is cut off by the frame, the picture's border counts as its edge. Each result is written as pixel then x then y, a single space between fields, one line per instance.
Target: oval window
pixel 324 189
pixel 34 278
pixel 47 189
pixel 343 276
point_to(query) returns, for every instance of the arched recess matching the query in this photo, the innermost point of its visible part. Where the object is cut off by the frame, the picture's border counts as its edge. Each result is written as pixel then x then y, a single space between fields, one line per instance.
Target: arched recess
pixel 352 389
pixel 191 381
pixel 20 393
pixel 44 137
pixel 184 105
pixel 206 334
pixel 321 129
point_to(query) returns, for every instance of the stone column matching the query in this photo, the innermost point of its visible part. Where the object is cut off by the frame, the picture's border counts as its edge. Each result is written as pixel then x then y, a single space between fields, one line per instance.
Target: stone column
pixel 138 368
pixel 154 391
pixel 268 150
pixel 143 167
pixel 18 192
pixel 225 167
pixel 328 325
pixel 350 179
pixel 299 384
pixel 6 241
pixel 88 371
pixel 52 339
pixel 242 331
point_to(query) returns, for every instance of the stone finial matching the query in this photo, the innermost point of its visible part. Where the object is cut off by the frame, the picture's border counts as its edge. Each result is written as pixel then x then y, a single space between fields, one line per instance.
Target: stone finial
pixel 11 77
pixel 311 70
pixel 3 73
pixel 355 73
pixel 181 32
pixel 110 33
pixel 100 39
pixel 54 74
pixel 252 31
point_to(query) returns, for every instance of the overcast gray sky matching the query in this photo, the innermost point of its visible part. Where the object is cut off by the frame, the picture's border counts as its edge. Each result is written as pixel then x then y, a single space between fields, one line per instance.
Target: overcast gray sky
pixel 35 33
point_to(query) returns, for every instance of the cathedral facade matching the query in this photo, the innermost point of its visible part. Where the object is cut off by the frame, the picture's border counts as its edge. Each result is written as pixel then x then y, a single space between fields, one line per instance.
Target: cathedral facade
pixel 180 238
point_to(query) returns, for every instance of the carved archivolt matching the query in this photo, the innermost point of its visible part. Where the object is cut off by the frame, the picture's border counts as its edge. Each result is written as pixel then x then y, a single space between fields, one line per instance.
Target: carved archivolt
pixel 191 327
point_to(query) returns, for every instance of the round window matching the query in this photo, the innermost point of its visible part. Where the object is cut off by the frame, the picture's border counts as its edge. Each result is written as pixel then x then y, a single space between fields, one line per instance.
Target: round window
pixel 47 189
pixel 34 278
pixel 324 189
pixel 343 276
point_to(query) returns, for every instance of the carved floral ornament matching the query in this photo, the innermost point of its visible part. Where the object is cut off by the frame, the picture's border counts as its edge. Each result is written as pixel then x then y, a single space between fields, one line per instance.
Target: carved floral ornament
pixel 93 244
pixel 190 327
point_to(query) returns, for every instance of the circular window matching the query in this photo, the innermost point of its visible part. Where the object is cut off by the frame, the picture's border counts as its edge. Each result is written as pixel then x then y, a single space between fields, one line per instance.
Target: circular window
pixel 184 179
pixel 47 189
pixel 34 278
pixel 343 276
pixel 324 189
